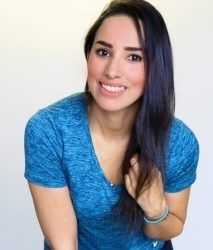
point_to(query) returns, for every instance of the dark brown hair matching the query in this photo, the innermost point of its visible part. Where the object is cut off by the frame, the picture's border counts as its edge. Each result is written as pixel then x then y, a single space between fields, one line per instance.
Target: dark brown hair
pixel 156 111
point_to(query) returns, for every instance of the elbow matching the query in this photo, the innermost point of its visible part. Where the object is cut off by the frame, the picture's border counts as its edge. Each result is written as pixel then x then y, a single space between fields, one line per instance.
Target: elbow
pixel 65 248
pixel 172 234
pixel 169 237
pixel 64 245
pixel 62 242
pixel 178 231
pixel 166 235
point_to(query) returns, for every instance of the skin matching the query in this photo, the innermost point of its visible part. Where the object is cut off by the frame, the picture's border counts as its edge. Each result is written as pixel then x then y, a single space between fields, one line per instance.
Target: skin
pixel 111 60
pixel 56 216
pixel 112 118
pixel 177 202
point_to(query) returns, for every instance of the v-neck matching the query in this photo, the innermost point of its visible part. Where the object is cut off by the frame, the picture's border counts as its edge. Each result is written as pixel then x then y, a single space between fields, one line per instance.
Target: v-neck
pixel 95 158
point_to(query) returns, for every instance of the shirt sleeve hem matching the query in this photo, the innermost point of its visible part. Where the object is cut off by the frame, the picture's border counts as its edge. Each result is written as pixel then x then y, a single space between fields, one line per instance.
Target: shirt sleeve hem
pixel 180 188
pixel 42 184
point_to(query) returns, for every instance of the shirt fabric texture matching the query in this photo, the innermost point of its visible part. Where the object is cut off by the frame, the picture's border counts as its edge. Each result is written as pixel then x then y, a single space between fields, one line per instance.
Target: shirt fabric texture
pixel 59 152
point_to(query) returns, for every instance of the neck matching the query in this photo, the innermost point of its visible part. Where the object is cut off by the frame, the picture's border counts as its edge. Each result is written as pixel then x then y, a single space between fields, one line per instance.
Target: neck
pixel 112 126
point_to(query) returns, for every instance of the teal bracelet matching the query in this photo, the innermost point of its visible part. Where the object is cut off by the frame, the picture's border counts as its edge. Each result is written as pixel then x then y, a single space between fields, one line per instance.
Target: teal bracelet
pixel 154 221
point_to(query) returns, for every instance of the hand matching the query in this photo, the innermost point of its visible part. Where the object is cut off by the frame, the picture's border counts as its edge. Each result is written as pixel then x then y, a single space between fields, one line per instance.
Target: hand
pixel 151 200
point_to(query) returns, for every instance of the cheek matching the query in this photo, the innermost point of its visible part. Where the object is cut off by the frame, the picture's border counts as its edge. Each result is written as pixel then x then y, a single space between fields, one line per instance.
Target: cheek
pixel 93 67
pixel 137 76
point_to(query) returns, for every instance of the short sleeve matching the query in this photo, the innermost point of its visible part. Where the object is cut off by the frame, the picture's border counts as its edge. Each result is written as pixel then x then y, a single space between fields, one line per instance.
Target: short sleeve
pixel 183 154
pixel 43 152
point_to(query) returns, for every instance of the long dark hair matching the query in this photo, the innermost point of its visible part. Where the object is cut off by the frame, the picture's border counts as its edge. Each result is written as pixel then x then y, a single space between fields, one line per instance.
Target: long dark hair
pixel 149 135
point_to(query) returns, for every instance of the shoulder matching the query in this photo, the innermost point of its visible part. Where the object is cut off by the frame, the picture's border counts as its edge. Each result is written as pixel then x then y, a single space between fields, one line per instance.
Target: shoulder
pixel 182 138
pixel 182 157
pixel 60 113
pixel 68 105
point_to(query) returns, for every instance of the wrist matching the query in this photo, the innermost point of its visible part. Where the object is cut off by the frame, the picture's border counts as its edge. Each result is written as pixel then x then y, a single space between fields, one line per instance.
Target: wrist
pixel 157 219
pixel 156 212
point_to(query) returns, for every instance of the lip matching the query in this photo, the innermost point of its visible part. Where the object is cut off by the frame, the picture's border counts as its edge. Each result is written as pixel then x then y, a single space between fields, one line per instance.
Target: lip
pixel 111 94
pixel 113 84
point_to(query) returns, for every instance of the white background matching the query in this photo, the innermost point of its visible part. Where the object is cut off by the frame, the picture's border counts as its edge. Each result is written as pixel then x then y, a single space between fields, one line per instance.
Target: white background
pixel 42 61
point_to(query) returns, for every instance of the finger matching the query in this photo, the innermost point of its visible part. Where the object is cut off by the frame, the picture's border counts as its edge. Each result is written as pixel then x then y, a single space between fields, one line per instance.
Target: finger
pixel 133 160
pixel 159 179
pixel 129 186
pixel 133 178
pixel 157 176
pixel 136 169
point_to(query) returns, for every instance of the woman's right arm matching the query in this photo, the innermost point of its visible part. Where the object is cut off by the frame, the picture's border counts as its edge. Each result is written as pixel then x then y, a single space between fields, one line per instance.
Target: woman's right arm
pixel 56 216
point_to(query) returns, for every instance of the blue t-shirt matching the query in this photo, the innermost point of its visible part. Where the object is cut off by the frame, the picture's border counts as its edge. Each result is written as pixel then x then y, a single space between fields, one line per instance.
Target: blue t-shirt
pixel 59 152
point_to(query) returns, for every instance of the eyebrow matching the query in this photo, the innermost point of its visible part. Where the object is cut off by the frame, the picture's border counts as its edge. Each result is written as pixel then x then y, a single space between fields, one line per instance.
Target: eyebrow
pixel 106 44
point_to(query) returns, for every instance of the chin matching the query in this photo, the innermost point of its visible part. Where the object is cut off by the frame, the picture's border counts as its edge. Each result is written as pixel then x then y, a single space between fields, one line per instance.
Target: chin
pixel 109 106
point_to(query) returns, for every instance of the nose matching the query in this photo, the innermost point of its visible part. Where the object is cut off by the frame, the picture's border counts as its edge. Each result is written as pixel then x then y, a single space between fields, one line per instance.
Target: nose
pixel 113 68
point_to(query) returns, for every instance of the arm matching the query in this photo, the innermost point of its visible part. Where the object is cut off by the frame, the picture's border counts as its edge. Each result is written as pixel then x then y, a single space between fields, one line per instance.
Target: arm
pixel 153 202
pixel 173 224
pixel 180 175
pixel 56 216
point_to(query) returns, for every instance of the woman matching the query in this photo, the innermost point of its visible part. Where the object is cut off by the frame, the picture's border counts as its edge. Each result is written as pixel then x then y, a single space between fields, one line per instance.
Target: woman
pixel 112 168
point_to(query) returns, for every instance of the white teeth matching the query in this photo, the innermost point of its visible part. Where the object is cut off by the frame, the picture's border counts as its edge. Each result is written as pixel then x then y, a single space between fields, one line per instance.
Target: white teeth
pixel 112 89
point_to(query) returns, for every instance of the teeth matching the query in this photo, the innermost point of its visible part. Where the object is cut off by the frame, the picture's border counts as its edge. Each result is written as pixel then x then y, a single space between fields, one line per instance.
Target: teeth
pixel 112 89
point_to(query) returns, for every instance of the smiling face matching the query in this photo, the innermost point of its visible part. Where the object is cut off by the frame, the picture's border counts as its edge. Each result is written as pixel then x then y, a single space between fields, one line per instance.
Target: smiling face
pixel 116 70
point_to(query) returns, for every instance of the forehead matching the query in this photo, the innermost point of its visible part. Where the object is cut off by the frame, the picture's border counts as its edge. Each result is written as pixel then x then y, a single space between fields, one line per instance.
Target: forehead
pixel 120 29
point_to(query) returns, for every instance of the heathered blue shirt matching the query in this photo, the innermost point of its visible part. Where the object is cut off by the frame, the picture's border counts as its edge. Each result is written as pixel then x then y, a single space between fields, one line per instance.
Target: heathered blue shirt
pixel 59 152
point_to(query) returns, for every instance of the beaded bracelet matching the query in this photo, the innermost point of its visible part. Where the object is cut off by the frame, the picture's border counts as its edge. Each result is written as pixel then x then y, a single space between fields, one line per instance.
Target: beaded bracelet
pixel 154 221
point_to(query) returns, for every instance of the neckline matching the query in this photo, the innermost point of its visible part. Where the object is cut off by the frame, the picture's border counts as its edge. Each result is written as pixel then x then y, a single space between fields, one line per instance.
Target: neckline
pixel 97 163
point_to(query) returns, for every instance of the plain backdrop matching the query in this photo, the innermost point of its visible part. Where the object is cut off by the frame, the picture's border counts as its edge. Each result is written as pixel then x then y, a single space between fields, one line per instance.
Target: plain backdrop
pixel 42 61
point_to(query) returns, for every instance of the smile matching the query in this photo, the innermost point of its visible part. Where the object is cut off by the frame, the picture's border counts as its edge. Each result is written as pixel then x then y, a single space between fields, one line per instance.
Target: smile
pixel 114 89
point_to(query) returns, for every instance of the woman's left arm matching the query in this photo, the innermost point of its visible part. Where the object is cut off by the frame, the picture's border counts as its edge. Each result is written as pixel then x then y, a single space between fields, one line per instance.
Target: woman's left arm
pixel 173 224
pixel 154 202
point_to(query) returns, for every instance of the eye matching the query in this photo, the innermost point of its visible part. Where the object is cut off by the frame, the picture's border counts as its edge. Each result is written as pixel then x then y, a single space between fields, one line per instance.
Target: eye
pixel 135 58
pixel 102 52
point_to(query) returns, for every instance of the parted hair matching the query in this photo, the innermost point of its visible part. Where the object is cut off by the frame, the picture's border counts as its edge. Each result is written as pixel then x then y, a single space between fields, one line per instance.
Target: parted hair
pixel 149 135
